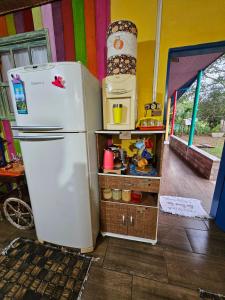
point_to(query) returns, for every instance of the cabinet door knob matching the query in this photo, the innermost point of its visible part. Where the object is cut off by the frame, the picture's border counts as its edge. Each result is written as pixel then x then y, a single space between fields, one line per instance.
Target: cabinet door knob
pixel 123 219
pixel 131 220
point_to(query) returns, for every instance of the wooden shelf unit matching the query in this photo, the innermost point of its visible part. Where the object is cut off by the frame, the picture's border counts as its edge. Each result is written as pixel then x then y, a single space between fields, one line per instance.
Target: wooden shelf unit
pixel 148 200
pixel 126 219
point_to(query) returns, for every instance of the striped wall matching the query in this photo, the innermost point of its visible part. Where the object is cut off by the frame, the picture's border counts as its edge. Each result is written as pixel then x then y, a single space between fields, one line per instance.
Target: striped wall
pixel 77 30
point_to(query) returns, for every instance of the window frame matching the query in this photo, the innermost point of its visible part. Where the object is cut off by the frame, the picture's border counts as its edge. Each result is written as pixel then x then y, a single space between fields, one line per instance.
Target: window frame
pixel 13 43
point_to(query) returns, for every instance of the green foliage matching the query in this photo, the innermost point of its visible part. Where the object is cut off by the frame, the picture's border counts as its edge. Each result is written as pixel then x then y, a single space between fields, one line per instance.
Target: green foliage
pixel 216 128
pixel 217 151
pixel 202 128
pixel 211 108
pixel 184 111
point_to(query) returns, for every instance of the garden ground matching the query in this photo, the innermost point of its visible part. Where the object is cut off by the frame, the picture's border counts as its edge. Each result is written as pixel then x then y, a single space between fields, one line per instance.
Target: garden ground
pixel 218 143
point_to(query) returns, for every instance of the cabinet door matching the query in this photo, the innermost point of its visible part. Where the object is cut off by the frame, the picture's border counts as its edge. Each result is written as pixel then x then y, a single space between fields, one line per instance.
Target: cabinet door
pixel 142 221
pixel 113 217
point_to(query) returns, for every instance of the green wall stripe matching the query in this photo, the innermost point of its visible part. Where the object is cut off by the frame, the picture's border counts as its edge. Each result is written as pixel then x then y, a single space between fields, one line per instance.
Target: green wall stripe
pixel 17 146
pixel 79 30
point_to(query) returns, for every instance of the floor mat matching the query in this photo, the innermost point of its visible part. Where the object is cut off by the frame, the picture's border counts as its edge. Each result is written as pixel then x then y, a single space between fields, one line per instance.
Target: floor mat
pixel 30 270
pixel 208 295
pixel 186 207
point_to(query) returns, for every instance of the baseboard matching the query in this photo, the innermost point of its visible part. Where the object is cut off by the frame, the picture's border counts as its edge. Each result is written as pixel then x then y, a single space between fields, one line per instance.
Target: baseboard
pixel 129 237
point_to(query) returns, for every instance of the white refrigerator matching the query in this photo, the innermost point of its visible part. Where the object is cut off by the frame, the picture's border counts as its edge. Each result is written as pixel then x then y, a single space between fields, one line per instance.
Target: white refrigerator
pixel 57 108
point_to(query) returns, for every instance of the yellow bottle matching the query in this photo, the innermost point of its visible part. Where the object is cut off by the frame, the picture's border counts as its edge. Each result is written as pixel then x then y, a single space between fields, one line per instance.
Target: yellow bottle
pixel 117 113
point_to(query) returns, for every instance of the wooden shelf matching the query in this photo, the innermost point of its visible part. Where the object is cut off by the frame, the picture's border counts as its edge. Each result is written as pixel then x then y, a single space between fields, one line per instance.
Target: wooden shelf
pixel 129 176
pixel 148 199
pixel 136 221
pixel 158 141
pixel 133 132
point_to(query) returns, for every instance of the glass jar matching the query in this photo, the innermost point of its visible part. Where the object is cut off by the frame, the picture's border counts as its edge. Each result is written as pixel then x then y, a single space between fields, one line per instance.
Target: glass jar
pixel 151 122
pixel 144 123
pixel 116 194
pixel 107 194
pixel 126 195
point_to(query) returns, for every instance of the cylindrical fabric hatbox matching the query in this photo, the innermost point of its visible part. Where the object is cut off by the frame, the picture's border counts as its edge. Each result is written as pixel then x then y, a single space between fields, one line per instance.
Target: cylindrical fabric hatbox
pixel 121 48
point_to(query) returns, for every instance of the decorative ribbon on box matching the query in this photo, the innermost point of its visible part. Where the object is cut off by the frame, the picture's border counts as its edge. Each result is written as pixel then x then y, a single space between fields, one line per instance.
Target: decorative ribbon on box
pixel 121 48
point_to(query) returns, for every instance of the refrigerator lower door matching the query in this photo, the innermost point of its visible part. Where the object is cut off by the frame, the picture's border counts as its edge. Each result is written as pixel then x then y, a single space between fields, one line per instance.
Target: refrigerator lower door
pixel 57 174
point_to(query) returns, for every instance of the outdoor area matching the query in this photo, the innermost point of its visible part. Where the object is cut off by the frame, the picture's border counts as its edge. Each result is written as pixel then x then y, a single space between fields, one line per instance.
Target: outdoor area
pixel 210 125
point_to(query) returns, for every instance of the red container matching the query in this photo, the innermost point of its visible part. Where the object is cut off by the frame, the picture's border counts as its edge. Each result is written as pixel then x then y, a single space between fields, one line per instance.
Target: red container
pixel 136 197
pixel 108 161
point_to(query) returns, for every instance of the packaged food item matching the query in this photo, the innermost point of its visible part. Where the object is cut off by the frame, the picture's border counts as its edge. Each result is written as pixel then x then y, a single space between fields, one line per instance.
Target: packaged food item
pixel 136 197
pixel 116 194
pixel 107 194
pixel 126 195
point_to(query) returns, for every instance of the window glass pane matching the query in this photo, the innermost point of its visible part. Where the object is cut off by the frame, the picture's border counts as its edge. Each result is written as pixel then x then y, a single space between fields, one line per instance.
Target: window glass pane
pixel 6 64
pixel 21 58
pixel 39 55
pixel 9 98
pixel 2 108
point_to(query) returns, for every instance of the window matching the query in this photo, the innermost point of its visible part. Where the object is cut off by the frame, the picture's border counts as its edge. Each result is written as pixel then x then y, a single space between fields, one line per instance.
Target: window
pixel 18 51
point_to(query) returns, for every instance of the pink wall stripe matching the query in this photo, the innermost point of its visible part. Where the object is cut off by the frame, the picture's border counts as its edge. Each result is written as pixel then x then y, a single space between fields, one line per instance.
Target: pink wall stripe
pixel 58 27
pixel 9 138
pixel 19 22
pixel 102 8
pixel 46 11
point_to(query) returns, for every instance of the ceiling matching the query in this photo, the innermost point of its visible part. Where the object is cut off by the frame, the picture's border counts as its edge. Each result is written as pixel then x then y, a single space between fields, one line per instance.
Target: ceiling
pixel 7 6
pixel 184 70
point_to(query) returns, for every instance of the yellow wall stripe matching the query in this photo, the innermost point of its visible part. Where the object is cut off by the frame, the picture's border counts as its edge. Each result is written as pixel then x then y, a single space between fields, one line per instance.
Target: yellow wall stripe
pixel 10 24
pixel 37 18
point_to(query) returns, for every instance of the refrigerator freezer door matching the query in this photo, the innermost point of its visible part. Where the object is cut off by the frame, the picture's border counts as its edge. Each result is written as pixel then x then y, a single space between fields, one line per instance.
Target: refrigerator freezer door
pixel 58 181
pixel 49 95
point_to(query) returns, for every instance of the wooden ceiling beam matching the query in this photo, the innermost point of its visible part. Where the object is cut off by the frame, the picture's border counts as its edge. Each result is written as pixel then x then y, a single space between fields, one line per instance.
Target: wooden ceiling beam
pixel 8 6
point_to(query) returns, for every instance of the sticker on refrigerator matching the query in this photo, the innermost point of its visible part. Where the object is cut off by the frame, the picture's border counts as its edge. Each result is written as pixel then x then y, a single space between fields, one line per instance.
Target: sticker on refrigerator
pixel 59 82
pixel 20 96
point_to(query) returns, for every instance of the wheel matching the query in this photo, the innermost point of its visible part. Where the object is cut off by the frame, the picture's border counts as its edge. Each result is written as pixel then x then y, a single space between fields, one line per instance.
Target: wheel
pixel 18 213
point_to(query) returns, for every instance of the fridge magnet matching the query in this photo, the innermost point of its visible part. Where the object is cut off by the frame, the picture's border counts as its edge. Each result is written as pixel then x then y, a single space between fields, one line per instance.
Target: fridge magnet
pixel 59 82
pixel 19 93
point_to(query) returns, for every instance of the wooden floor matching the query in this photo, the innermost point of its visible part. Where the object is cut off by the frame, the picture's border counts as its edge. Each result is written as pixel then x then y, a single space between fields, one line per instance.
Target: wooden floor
pixel 180 180
pixel 190 255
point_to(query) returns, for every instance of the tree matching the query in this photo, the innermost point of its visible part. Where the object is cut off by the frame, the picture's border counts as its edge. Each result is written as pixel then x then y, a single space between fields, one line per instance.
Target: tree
pixel 212 108
pixel 212 96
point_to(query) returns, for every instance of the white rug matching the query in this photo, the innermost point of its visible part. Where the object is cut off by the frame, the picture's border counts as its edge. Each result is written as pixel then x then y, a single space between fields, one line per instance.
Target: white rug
pixel 186 207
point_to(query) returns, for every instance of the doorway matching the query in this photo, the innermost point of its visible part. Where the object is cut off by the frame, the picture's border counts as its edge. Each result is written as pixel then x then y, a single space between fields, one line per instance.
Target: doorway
pixel 191 166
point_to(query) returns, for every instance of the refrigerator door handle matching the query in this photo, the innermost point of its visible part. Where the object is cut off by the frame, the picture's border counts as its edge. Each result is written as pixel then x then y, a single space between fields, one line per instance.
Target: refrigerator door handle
pixel 39 137
pixel 36 128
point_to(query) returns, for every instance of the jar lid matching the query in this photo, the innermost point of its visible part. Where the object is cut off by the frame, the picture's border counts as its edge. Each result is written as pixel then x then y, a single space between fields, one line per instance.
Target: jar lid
pixel 126 190
pixel 116 189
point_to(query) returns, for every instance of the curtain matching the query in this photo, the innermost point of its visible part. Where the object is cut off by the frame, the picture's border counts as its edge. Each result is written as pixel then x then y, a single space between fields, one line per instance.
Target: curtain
pixel 21 58
pixel 39 55
pixel 6 64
